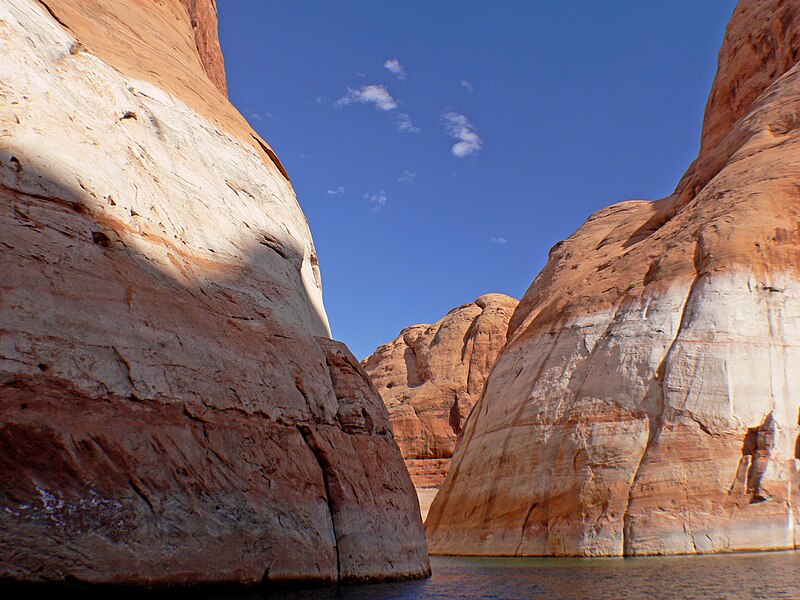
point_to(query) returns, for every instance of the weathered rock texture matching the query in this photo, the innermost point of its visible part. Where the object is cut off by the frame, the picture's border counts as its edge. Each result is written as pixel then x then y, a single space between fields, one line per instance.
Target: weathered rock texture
pixel 171 408
pixel 203 18
pixel 647 399
pixel 431 376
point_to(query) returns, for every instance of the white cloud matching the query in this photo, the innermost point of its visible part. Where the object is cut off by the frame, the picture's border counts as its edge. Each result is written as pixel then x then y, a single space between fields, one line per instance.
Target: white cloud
pixel 380 98
pixel 459 127
pixel 259 116
pixel 377 95
pixel 394 66
pixel 378 200
pixel 499 240
pixel 467 84
pixel 335 191
pixel 407 177
pixel 404 123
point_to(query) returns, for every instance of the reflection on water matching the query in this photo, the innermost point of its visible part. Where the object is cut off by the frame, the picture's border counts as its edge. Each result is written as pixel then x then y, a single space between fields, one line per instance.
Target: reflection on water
pixel 768 575
pixel 731 576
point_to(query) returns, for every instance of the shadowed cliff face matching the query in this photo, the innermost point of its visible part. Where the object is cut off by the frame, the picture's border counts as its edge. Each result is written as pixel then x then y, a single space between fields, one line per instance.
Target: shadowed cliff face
pixel 647 400
pixel 172 408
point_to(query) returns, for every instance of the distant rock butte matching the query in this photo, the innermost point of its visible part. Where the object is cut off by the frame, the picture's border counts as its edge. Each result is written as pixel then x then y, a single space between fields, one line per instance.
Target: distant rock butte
pixel 172 409
pixel 647 399
pixel 430 378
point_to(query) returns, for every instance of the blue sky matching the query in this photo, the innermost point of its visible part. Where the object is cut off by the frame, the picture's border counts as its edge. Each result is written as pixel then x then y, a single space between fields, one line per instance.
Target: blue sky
pixel 440 149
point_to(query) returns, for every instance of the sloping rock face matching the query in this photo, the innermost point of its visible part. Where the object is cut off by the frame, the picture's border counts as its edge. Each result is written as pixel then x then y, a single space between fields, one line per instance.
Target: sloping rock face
pixel 431 376
pixel 203 18
pixel 647 400
pixel 171 408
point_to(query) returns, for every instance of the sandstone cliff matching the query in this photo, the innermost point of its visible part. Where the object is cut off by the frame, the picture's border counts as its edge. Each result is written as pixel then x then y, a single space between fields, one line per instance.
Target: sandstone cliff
pixel 431 376
pixel 171 408
pixel 647 399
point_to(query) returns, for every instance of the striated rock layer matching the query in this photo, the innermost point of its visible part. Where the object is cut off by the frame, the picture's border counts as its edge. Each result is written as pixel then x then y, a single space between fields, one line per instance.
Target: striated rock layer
pixel 430 378
pixel 647 399
pixel 171 408
pixel 203 19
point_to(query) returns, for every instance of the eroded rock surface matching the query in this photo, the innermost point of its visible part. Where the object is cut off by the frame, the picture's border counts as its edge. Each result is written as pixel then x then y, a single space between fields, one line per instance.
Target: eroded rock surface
pixel 431 376
pixel 647 399
pixel 171 408
pixel 203 19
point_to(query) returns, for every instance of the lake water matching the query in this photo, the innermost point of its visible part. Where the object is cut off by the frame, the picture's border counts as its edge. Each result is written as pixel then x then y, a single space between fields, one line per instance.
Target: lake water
pixel 770 575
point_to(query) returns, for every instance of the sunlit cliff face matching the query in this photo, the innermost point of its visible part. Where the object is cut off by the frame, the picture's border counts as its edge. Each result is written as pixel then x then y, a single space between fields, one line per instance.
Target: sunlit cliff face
pixel 647 400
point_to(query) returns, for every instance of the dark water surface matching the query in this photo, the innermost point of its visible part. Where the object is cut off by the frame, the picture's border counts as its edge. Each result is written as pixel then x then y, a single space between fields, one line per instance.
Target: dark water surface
pixel 730 576
pixel 767 575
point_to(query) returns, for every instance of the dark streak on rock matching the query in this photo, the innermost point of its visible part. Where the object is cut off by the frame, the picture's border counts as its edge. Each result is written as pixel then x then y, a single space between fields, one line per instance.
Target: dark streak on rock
pixel 325 467
pixel 272 156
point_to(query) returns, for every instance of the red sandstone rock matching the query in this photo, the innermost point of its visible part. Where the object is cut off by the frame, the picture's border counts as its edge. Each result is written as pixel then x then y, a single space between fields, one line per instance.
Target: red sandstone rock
pixel 647 400
pixel 171 408
pixel 431 376
pixel 203 18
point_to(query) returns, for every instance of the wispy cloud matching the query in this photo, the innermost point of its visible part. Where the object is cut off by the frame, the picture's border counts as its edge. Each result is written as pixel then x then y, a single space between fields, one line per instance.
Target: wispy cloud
pixel 459 128
pixel 260 116
pixel 404 123
pixel 378 200
pixel 336 191
pixel 394 66
pixel 466 84
pixel 498 240
pixel 381 99
pixel 407 177
pixel 376 95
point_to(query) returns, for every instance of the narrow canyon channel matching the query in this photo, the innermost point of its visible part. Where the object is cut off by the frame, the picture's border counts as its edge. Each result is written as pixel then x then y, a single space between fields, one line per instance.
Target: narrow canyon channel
pixel 177 420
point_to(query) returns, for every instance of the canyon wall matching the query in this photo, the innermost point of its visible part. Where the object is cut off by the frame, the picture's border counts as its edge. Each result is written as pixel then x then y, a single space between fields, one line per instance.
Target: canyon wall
pixel 172 409
pixel 431 376
pixel 647 399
